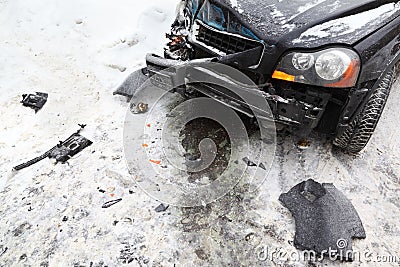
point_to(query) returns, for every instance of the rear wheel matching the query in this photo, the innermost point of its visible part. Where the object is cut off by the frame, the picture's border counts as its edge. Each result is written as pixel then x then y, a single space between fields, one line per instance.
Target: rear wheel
pixel 357 135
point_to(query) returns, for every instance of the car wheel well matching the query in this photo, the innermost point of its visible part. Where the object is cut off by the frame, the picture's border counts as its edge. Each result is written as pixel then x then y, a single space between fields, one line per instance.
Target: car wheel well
pixel 358 133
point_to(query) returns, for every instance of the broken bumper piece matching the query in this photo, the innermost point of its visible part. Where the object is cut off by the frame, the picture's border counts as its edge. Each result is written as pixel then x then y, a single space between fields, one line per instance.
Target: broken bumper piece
pixel 61 152
pixel 326 221
pixel 155 65
pixel 132 83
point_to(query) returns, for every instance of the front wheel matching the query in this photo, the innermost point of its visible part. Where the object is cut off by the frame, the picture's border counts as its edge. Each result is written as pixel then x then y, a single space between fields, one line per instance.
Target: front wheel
pixel 358 133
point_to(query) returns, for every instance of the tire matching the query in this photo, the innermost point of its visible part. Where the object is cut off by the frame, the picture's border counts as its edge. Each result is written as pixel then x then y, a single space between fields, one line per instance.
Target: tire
pixel 357 135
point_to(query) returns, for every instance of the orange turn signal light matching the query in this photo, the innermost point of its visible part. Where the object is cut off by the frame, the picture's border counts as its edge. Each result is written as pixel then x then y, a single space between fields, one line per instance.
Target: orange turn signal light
pixel 280 75
pixel 349 78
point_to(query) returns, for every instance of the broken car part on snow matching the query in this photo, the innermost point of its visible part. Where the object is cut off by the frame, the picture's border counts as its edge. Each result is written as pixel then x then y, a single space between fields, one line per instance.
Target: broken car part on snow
pixel 63 151
pixel 111 203
pixel 161 208
pixel 34 101
pixel 317 69
pixel 326 221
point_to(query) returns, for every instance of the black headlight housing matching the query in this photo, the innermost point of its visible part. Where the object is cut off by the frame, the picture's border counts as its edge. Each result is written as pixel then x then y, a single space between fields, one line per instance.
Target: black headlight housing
pixel 333 67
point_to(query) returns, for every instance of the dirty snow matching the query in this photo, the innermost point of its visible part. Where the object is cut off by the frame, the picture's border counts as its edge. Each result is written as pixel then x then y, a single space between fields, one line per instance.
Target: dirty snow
pixel 51 214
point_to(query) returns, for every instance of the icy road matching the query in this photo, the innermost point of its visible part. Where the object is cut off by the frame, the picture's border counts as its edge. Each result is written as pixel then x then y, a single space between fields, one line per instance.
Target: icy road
pixel 52 215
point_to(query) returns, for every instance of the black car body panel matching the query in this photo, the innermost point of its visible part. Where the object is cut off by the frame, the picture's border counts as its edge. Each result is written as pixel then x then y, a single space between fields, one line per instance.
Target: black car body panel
pixel 379 50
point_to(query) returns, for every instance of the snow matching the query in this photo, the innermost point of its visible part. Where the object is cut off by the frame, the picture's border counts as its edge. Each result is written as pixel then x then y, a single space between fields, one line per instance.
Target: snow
pixel 235 5
pixel 75 51
pixel 308 6
pixel 103 33
pixel 284 20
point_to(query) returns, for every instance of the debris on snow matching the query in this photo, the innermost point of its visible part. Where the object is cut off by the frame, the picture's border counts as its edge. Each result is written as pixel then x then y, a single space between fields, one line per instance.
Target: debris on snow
pixel 63 151
pixel 262 166
pixel 34 101
pixel 111 203
pixel 139 108
pixel 249 162
pixel 303 144
pixel 325 219
pixel 161 208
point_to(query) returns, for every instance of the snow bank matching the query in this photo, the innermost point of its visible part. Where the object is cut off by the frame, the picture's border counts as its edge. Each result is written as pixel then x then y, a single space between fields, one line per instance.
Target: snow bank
pixel 98 33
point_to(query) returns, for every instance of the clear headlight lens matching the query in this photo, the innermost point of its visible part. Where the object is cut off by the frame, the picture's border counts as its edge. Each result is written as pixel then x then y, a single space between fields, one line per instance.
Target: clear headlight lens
pixel 303 61
pixel 334 67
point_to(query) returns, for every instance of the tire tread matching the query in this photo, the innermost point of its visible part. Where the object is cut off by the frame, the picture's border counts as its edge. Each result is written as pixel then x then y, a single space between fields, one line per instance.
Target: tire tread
pixel 357 135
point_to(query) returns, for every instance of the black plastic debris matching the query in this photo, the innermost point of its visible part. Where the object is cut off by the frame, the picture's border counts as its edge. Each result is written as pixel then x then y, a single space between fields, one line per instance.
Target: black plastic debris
pixel 132 83
pixel 63 151
pixel 161 208
pixel 111 203
pixel 3 250
pixel 326 221
pixel 262 166
pixel 35 101
pixel 249 162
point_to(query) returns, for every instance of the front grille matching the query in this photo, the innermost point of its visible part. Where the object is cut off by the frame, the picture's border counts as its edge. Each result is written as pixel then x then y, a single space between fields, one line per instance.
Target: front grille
pixel 224 42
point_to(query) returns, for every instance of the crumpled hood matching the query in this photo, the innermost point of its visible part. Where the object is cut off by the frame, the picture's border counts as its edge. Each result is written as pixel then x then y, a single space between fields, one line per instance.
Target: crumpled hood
pixel 316 22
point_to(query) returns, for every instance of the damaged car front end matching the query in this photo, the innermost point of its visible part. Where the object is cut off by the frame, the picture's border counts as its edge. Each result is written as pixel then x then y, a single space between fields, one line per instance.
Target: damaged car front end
pixel 315 63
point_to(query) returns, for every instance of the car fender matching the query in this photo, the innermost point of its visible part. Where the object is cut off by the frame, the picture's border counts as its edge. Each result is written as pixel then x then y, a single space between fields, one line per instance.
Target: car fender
pixel 353 107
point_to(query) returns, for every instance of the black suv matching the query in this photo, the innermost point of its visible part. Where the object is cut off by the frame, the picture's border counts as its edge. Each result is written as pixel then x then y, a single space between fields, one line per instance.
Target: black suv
pixel 324 65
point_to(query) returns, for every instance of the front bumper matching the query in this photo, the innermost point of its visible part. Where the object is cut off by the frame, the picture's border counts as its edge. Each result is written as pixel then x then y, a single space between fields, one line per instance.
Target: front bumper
pixel 300 110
